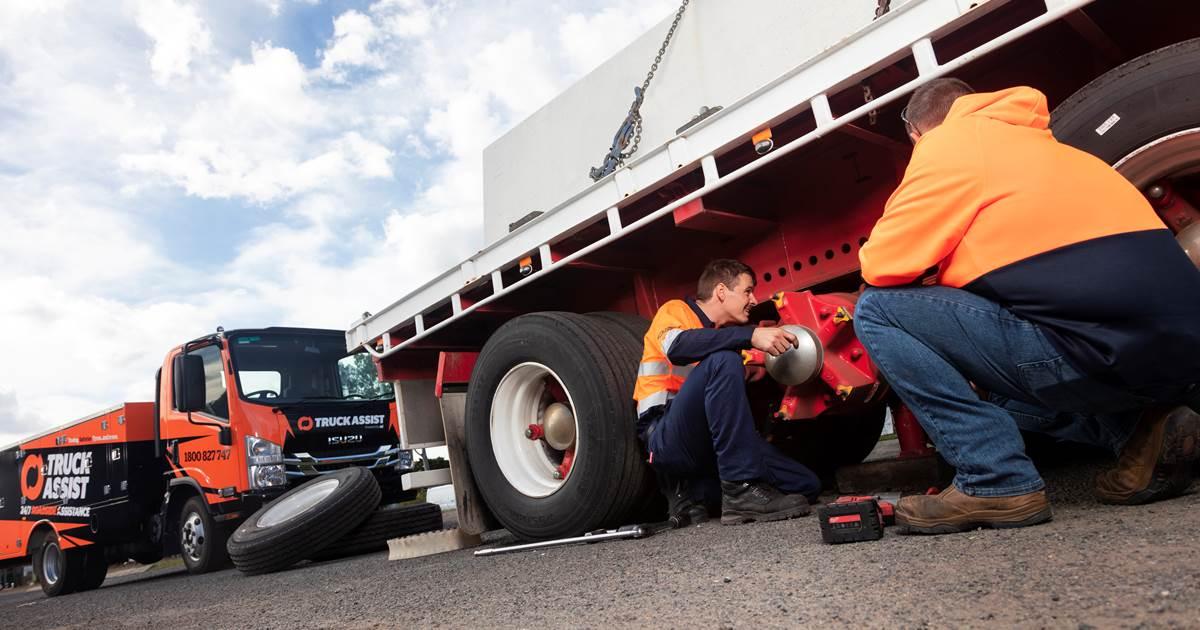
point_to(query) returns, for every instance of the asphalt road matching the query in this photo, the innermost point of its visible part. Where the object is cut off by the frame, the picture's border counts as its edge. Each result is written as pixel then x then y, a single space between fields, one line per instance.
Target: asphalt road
pixel 1092 566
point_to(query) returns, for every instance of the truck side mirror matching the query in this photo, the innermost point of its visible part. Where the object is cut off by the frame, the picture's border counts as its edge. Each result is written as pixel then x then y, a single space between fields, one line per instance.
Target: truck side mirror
pixel 188 382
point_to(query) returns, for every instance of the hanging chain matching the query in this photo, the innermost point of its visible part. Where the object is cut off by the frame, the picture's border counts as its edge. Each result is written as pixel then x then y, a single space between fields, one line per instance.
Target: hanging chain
pixel 633 120
pixel 662 50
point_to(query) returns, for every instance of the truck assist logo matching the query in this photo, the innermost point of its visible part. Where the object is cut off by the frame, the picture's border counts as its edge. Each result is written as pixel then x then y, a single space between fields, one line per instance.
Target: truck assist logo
pixel 369 421
pixel 56 476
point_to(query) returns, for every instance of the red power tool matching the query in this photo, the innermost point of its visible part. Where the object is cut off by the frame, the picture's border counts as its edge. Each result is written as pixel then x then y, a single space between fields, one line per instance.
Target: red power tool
pixel 855 519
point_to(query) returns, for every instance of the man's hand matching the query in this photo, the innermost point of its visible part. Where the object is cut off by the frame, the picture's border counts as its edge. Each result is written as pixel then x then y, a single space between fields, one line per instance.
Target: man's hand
pixel 773 341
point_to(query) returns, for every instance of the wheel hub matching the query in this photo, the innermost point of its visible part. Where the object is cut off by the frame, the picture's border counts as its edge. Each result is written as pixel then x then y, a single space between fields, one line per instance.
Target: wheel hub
pixel 193 537
pixel 558 426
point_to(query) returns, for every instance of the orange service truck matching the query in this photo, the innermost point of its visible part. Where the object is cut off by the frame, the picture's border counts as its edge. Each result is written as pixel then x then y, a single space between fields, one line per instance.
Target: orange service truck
pixel 238 417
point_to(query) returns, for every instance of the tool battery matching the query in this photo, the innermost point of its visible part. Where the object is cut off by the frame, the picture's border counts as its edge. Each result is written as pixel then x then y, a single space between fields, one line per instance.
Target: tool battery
pixel 854 519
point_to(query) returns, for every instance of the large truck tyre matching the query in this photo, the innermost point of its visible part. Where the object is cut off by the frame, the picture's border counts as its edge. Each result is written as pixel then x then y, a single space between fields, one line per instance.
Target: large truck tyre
pixel 828 443
pixel 386 523
pixel 304 520
pixel 95 568
pixel 634 325
pixel 580 371
pixel 201 541
pixel 58 570
pixel 1142 117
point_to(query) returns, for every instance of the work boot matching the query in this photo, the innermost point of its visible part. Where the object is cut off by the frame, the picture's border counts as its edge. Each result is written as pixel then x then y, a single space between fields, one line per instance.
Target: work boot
pixel 746 501
pixel 952 511
pixel 682 508
pixel 1156 462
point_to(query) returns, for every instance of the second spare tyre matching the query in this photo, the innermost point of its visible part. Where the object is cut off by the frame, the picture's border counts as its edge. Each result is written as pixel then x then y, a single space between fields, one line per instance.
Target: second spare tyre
pixel 386 523
pixel 304 520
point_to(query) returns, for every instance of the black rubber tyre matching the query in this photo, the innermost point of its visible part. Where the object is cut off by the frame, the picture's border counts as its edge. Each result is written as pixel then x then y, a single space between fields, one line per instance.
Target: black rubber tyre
pixel 201 540
pixel 1134 104
pixel 633 324
pixel 272 539
pixel 653 505
pixel 826 444
pixel 386 523
pixel 596 365
pixel 59 571
pixel 95 568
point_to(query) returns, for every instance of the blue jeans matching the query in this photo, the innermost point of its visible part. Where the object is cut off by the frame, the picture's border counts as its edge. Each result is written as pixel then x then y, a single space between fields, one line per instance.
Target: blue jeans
pixel 708 431
pixel 930 343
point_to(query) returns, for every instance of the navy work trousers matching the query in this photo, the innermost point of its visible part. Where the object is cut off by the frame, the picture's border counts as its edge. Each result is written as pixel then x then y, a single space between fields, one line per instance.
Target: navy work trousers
pixel 707 432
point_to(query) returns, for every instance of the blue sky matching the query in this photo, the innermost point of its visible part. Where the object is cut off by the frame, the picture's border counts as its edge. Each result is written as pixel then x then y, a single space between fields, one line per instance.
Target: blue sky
pixel 173 165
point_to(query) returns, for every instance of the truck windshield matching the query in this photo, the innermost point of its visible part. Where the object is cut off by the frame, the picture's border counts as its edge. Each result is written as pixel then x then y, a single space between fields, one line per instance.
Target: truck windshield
pixel 282 367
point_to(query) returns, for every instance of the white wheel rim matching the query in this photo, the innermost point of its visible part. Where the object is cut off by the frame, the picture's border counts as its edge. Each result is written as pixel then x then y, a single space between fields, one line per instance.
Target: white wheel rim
pixel 304 498
pixel 52 563
pixel 1173 155
pixel 520 399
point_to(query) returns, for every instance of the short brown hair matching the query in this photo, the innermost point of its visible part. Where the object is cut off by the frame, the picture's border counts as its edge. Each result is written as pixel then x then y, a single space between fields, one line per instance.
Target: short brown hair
pixel 928 106
pixel 721 271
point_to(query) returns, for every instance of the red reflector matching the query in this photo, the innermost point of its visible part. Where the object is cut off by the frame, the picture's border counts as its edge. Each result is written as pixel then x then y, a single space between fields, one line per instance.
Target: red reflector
pixel 848 518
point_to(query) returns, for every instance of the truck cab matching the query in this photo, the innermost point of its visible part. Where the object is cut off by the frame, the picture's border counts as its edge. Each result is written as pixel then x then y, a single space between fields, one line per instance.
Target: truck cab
pixel 267 409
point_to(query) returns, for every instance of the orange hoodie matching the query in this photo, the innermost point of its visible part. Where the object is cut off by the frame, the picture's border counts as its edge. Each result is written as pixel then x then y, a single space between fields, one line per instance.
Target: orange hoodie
pixel 1049 232
pixel 991 186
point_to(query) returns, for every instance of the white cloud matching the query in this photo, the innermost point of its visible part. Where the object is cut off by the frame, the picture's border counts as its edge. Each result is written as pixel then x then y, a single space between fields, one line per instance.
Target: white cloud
pixel 360 178
pixel 178 34
pixel 354 36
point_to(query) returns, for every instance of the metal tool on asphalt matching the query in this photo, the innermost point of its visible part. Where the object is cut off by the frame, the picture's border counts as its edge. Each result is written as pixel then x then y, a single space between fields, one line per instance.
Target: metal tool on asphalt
pixel 856 518
pixel 600 535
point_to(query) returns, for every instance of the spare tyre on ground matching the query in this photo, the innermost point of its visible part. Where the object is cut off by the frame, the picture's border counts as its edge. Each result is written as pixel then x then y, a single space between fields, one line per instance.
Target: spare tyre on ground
pixel 386 523
pixel 304 521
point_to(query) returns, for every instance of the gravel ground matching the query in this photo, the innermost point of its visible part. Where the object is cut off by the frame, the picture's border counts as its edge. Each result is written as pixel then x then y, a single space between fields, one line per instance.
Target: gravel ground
pixel 1093 566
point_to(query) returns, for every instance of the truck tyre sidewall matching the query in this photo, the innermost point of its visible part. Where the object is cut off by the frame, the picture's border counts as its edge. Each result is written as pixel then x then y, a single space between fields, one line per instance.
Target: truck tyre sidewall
pixel 95 568
pixel 1134 104
pixel 303 521
pixel 201 542
pixel 596 366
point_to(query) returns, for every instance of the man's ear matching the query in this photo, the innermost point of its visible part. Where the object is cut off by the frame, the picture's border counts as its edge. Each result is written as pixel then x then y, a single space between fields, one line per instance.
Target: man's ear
pixel 719 292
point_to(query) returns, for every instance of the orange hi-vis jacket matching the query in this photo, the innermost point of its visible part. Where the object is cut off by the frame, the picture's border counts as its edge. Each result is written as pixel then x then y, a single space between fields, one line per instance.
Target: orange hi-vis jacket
pixel 658 379
pixel 1049 232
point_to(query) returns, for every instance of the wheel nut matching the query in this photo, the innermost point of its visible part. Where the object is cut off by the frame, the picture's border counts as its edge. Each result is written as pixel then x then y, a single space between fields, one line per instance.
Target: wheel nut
pixel 558 474
pixel 1156 192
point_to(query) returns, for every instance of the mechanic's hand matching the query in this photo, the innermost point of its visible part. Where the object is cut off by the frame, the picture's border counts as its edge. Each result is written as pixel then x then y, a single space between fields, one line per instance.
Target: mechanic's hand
pixel 773 341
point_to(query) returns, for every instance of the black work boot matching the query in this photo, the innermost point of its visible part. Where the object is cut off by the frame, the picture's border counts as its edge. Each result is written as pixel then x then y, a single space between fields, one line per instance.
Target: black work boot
pixel 746 501
pixel 682 509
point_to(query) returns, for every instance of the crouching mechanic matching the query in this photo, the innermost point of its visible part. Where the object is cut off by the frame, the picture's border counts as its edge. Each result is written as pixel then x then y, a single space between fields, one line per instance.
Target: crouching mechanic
pixel 1059 292
pixel 693 413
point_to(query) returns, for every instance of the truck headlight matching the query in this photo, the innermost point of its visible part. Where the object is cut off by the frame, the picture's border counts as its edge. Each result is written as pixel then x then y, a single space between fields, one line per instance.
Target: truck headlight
pixel 260 452
pixel 269 476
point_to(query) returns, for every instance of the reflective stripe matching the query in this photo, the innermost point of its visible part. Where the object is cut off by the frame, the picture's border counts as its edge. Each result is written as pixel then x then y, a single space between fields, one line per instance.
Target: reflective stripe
pixel 653 400
pixel 654 368
pixel 669 339
pixel 681 371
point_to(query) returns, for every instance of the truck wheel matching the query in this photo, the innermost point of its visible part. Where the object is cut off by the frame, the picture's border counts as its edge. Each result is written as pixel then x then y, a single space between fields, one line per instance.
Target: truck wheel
pixel 201 542
pixel 386 523
pixel 825 444
pixel 58 570
pixel 1143 117
pixel 95 568
pixel 572 378
pixel 304 520
pixel 635 325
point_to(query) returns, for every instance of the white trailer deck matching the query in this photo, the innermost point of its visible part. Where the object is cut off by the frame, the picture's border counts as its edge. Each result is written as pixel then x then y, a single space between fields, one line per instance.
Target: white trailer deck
pixel 805 83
